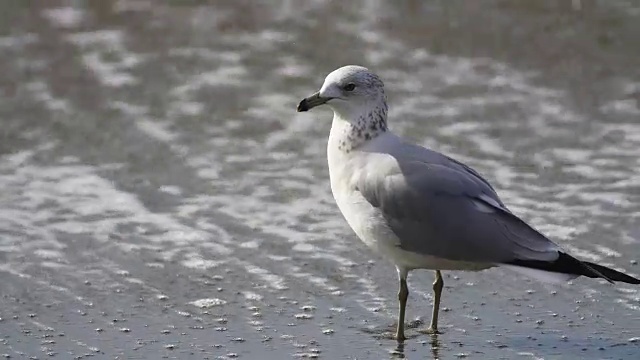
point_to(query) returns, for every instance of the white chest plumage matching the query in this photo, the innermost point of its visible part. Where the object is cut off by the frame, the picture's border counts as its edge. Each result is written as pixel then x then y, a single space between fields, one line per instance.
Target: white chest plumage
pixel 344 168
pixel 367 221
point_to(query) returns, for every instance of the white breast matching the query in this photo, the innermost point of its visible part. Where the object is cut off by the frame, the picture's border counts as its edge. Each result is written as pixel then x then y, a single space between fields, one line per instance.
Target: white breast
pixel 366 221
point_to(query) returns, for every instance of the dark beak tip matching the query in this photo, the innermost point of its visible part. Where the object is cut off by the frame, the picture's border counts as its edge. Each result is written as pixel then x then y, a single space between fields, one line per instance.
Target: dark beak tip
pixel 303 106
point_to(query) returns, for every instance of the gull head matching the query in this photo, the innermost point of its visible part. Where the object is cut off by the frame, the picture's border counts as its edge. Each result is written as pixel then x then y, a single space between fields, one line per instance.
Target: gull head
pixel 351 92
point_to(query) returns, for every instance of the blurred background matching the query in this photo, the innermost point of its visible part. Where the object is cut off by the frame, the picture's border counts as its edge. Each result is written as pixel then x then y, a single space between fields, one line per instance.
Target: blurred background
pixel 161 198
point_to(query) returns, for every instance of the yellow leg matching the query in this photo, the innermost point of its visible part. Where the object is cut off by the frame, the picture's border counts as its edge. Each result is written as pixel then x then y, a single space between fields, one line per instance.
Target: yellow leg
pixel 403 294
pixel 438 284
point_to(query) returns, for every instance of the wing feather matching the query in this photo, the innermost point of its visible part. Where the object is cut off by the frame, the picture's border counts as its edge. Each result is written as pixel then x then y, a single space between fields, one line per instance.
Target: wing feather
pixel 445 210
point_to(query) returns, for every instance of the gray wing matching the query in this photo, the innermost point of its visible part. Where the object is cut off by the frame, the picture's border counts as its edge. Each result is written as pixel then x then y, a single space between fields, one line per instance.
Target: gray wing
pixel 447 210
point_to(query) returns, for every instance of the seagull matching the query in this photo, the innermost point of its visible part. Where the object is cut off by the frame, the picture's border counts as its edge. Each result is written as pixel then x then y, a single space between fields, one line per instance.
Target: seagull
pixel 421 209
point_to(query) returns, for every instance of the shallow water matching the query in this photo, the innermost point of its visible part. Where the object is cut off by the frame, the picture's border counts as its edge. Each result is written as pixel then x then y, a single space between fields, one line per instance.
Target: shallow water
pixel 162 199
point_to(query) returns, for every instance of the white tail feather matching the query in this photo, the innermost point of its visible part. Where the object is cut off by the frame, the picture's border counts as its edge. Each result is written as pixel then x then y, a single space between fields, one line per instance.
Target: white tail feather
pixel 546 276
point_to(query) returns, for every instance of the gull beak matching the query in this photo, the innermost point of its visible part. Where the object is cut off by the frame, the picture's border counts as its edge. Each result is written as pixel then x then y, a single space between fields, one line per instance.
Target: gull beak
pixel 312 101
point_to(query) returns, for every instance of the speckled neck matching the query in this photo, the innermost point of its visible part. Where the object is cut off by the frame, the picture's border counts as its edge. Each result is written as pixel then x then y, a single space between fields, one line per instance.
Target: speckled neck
pixel 351 134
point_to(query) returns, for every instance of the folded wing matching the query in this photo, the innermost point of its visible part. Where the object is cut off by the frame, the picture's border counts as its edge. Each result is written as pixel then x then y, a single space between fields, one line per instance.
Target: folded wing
pixel 449 212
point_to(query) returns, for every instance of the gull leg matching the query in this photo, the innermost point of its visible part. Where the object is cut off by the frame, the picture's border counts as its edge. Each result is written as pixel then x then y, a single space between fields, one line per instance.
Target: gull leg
pixel 438 284
pixel 403 294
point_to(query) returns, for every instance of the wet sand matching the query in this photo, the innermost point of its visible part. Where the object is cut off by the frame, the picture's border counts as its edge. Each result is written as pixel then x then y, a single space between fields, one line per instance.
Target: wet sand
pixel 162 199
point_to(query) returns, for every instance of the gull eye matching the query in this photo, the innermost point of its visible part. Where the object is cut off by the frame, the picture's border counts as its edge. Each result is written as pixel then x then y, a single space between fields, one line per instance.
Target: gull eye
pixel 350 87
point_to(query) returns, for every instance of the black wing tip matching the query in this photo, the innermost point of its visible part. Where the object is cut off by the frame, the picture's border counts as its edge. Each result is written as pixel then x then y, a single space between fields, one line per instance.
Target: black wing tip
pixel 567 264
pixel 613 275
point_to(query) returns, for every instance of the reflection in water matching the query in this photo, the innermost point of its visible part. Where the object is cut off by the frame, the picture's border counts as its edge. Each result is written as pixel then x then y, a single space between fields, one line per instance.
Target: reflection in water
pixel 435 346
pixel 398 352
pixel 156 177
